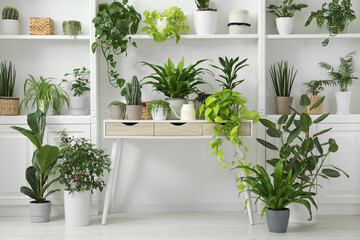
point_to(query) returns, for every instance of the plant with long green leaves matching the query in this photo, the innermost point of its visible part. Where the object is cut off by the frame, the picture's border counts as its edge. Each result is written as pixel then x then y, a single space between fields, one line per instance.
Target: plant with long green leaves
pixel 175 24
pixel 230 68
pixel 228 111
pixel 204 5
pixel 113 25
pixel 298 145
pixel 279 193
pixel 43 161
pixel 81 81
pixel 177 81
pixel 317 86
pixel 337 15
pixel 43 91
pixel 344 76
pixel 287 9
pixel 7 79
pixel 132 92
pixel 283 78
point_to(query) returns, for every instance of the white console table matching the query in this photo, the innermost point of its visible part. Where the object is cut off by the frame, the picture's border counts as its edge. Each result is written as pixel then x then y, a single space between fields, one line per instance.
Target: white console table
pixel 118 130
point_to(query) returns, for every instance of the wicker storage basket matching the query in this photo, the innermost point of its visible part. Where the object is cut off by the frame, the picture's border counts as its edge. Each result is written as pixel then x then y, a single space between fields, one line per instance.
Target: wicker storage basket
pixel 145 111
pixel 9 106
pixel 41 26
pixel 313 100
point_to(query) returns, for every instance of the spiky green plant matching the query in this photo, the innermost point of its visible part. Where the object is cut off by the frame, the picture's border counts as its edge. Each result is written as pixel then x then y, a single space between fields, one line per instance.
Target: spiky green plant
pixel 283 78
pixel 10 13
pixel 7 79
pixel 317 86
pixel 133 92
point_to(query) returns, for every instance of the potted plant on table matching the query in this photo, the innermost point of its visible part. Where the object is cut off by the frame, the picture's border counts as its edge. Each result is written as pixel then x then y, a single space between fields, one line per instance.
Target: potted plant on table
pixel 314 89
pixel 283 78
pixel 343 77
pixel 205 18
pixel 81 168
pixel 176 82
pixel 117 109
pixel 9 105
pixel 159 110
pixel 337 15
pixel 132 93
pixel 37 175
pixel 71 28
pixel 79 102
pixel 10 21
pixel 285 15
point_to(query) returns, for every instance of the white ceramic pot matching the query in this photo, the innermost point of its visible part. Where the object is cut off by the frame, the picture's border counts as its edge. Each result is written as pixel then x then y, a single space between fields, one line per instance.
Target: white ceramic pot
pixel 40 212
pixel 158 114
pixel 239 16
pixel 176 105
pixel 285 25
pixel 77 208
pixel 299 215
pixel 79 105
pixel 343 102
pixel 205 22
pixel 10 27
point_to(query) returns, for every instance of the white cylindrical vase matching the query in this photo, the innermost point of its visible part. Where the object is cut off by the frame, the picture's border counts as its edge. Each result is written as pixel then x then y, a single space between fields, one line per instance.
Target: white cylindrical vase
pixel 343 102
pixel 205 22
pixel 77 208
pixel 10 27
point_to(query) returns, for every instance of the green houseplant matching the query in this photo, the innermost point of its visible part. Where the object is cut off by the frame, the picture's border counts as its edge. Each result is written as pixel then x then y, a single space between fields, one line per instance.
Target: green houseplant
pixel 72 28
pixel 164 25
pixel 81 168
pixel 230 68
pixel 336 15
pixel 133 99
pixel 313 91
pixel 159 110
pixel 117 109
pixel 205 18
pixel 44 94
pixel 113 25
pixel 43 162
pixel 9 105
pixel 10 21
pixel 283 77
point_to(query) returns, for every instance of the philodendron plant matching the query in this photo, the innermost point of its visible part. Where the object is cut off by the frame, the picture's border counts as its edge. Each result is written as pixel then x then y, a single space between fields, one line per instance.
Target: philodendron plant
pixel 287 9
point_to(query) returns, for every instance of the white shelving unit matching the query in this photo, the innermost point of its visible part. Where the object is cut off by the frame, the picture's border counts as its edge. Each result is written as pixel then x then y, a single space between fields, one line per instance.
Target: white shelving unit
pixel 43 37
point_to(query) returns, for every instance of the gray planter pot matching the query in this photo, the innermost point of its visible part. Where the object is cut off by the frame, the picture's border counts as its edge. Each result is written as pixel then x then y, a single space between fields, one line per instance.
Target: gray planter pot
pixel 277 220
pixel 134 112
pixel 40 212
pixel 117 112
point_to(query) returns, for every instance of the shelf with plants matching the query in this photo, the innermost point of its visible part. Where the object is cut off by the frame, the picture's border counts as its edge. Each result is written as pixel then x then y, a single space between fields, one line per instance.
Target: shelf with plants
pixel 313 36
pixel 43 37
pixel 210 36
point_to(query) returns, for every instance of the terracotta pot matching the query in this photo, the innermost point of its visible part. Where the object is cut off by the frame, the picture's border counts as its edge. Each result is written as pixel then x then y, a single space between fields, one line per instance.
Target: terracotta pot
pixel 282 105
pixel 313 100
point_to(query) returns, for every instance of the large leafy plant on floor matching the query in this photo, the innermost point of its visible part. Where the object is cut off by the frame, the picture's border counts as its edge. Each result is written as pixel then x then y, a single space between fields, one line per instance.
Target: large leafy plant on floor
pixel 43 161
pixel 113 23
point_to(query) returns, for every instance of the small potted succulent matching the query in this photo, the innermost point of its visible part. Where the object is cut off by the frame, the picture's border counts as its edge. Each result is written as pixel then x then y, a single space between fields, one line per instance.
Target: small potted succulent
pixel 285 15
pixel 80 101
pixel 132 93
pixel 9 105
pixel 117 109
pixel 81 169
pixel 314 89
pixel 10 21
pixel 72 28
pixel 159 110
pixel 205 18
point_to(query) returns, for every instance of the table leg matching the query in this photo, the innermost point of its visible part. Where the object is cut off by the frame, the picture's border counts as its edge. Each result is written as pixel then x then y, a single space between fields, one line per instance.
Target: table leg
pixel 249 205
pixel 109 189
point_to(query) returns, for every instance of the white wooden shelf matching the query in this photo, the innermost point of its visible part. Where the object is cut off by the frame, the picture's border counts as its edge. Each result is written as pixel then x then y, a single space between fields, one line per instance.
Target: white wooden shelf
pixel 43 37
pixel 313 36
pixel 332 118
pixel 58 120
pixel 193 36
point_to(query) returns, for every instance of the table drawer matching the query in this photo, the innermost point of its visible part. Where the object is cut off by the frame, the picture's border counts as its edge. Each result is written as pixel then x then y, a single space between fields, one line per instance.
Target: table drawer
pixel 208 129
pixel 129 129
pixel 177 129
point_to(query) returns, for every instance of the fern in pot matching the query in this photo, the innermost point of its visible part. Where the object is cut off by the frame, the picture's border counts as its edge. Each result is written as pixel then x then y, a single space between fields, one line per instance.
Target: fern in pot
pixel 9 105
pixel 132 93
pixel 159 110
pixel 314 89
pixel 205 18
pixel 81 169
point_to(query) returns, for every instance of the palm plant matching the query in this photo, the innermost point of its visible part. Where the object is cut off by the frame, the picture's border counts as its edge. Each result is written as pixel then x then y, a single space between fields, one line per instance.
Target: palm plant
pixel 177 82
pixel 317 86
pixel 43 91
pixel 7 79
pixel 343 77
pixel 282 78
pixel 287 9
pixel 230 68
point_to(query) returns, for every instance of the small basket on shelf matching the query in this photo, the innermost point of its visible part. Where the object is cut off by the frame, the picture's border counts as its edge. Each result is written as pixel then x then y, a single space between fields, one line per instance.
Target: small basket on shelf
pixel 9 106
pixel 41 26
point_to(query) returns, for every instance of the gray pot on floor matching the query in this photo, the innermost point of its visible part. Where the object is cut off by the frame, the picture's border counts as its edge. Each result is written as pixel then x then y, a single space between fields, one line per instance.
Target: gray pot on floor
pixel 277 220
pixel 40 212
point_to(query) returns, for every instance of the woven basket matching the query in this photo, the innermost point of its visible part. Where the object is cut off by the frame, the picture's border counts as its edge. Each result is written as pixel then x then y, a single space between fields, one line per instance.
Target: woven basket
pixel 9 106
pixel 145 111
pixel 313 100
pixel 41 26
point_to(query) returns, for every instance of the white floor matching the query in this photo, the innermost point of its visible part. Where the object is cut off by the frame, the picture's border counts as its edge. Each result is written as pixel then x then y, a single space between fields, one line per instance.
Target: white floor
pixel 173 226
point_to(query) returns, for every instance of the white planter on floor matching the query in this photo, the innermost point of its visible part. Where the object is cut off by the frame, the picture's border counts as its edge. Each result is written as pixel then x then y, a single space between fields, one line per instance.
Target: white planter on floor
pixel 79 105
pixel 285 25
pixel 205 22
pixel 343 102
pixel 77 208
pixel 10 27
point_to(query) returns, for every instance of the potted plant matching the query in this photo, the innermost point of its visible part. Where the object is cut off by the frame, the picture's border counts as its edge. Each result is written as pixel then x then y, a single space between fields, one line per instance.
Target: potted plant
pixel 205 18
pixel 9 105
pixel 10 21
pixel 199 101
pixel 174 24
pixel 176 82
pixel 117 109
pixel 113 24
pixel 79 102
pixel 81 168
pixel 285 15
pixel 314 89
pixel 230 69
pixel 37 175
pixel 337 15
pixel 283 78
pixel 44 94
pixel 132 93
pixel 71 28
pixel 343 77
pixel 278 194
pixel 300 147
pixel 159 110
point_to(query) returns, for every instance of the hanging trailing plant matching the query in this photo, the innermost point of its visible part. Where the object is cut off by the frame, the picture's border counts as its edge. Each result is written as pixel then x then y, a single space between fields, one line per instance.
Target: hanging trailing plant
pixel 72 28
